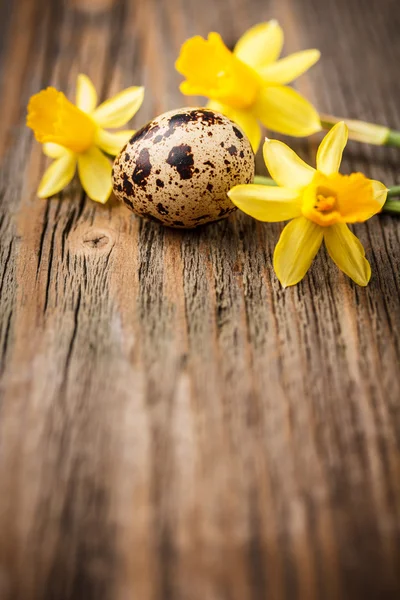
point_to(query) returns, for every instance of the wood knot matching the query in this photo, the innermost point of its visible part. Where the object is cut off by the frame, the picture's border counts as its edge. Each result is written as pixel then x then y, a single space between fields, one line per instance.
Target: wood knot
pixel 97 239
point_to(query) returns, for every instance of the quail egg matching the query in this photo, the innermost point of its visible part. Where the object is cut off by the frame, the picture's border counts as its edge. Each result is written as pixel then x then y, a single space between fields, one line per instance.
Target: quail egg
pixel 178 168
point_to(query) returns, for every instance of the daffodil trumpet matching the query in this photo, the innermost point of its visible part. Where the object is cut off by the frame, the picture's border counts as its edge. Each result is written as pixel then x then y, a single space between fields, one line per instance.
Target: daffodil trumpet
pixel 390 206
pixel 249 85
pixel 362 131
pixel 319 203
pixel 75 136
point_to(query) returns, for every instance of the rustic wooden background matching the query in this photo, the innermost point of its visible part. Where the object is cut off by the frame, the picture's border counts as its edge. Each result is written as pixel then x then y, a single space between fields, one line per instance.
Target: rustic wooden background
pixel 173 424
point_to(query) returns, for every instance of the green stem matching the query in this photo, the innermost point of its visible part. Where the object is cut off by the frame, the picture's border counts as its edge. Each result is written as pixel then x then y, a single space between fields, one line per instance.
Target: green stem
pixel 327 125
pixel 261 180
pixel 394 190
pixel 390 206
pixel 393 138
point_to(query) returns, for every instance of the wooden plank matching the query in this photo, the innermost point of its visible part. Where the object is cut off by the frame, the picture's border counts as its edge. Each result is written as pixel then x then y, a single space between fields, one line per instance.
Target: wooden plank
pixel 173 424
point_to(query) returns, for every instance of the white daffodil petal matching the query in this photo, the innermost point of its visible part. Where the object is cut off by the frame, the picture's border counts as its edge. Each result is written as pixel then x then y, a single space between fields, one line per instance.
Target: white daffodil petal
pixel 329 155
pixel 113 142
pixel 260 45
pixel 271 204
pixel 54 150
pixel 282 109
pixel 347 252
pixel 289 68
pixel 285 167
pixel 95 174
pixel 86 95
pixel 58 175
pixel 117 111
pixel 296 249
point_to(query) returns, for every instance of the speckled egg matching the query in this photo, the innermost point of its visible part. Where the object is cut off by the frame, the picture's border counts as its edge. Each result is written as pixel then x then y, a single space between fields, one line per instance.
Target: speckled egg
pixel 178 168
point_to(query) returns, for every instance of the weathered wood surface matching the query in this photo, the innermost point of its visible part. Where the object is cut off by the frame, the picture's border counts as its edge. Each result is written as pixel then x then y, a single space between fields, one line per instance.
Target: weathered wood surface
pixel 173 424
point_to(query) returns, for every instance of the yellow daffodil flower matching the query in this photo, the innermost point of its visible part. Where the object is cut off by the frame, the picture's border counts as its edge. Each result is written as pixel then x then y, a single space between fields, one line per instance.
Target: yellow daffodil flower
pixel 320 203
pixel 75 135
pixel 248 84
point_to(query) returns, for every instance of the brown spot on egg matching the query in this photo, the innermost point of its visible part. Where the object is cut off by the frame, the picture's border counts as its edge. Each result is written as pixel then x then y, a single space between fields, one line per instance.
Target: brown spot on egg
pixel 181 158
pixel 237 132
pixel 145 133
pixel 127 185
pixel 142 168
pixel 128 202
pixel 161 209
pixel 209 116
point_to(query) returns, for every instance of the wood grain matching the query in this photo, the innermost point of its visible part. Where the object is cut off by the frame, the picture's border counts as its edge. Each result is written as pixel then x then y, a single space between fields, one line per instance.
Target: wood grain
pixel 173 424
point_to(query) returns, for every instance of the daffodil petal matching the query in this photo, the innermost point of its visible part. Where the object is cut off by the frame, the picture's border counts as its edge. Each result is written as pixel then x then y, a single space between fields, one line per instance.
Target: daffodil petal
pixel 219 107
pixel 289 68
pixel 250 126
pixel 295 251
pixel 54 150
pixel 245 119
pixel 113 142
pixel 282 109
pixel 346 250
pixel 329 155
pixel 86 95
pixel 57 175
pixel 380 191
pixel 260 45
pixel 191 89
pixel 285 167
pixel 95 174
pixel 118 110
pixel 266 203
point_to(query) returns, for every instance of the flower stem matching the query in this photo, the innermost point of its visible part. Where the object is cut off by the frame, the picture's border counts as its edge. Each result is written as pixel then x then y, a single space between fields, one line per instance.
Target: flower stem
pixel 393 138
pixel 390 206
pixel 394 190
pixel 261 180
pixel 361 131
